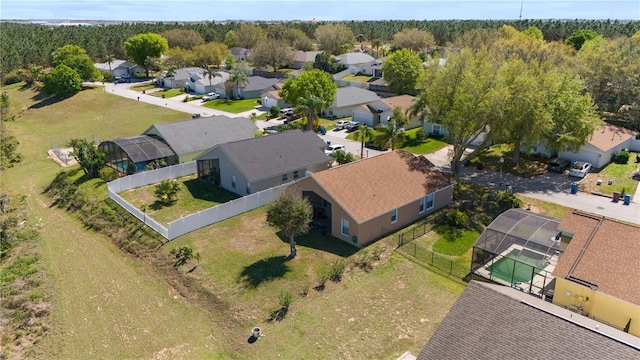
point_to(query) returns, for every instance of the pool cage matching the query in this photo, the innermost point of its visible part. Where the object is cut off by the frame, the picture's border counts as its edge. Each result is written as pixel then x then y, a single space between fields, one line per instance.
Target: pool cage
pixel 520 249
pixel 134 154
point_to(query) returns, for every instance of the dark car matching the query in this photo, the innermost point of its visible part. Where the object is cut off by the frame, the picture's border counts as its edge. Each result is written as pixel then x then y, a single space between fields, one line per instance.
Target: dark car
pixel 558 165
pixel 352 126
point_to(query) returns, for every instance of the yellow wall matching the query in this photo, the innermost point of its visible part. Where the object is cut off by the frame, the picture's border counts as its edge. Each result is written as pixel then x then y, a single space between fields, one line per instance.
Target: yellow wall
pixel 599 305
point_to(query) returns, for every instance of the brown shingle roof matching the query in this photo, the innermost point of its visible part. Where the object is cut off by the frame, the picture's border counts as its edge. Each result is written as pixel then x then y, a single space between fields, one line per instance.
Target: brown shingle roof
pixel 370 187
pixel 498 322
pixel 611 259
pixel 402 101
pixel 609 136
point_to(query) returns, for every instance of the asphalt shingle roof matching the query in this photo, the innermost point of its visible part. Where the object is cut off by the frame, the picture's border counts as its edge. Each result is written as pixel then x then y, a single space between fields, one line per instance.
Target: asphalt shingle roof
pixel 355 58
pixel 497 322
pixel 259 83
pixel 374 186
pixel 351 96
pixel 609 136
pixel 203 133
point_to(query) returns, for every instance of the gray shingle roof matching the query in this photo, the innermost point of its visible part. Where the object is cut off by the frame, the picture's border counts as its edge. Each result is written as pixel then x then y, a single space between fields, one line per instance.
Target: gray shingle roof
pixel 351 96
pixel 260 83
pixel 496 322
pixel 201 134
pixel 355 58
pixel 272 155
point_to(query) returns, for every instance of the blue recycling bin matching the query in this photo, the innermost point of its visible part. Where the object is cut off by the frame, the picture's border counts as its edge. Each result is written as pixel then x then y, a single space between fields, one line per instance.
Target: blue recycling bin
pixel 574 188
pixel 627 199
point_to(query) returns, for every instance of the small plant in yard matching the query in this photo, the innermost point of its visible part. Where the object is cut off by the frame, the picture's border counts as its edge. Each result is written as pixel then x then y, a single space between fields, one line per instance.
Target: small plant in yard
pixel 365 260
pixel 323 273
pixel 166 191
pixel 285 301
pixel 338 267
pixel 305 290
pixel 182 255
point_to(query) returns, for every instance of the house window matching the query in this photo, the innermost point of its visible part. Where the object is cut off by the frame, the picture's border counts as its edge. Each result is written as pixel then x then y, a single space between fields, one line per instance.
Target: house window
pixel 421 207
pixel 285 177
pixel 296 175
pixel 233 182
pixel 344 226
pixel 394 215
pixel 436 129
pixel 248 187
pixel 429 201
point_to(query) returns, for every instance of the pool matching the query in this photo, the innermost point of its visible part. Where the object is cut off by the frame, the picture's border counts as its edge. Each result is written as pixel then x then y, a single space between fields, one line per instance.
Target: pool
pixel 518 266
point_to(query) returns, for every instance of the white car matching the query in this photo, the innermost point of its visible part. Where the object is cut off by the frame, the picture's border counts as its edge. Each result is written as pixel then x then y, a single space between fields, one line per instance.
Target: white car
pixel 333 148
pixel 580 169
pixel 341 124
pixel 210 96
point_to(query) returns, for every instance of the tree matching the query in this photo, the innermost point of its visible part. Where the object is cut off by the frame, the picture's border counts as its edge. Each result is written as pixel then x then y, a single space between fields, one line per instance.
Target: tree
pixel 182 255
pixel 238 78
pixel 182 38
pixel 298 40
pixel 326 62
pixel 179 58
pixel 9 155
pixel 401 70
pixel 152 64
pixel 314 90
pixel 578 38
pixel 534 32
pixel 109 59
pixel 210 54
pixel 414 39
pixel 363 134
pixel 249 35
pixel 390 133
pixel 90 158
pixel 77 59
pixel 343 157
pixel 210 73
pixel 166 191
pixel 62 81
pixel 271 52
pixel 143 46
pixel 291 214
pixel 331 37
pixel 230 62
pixel 34 74
pixel 230 39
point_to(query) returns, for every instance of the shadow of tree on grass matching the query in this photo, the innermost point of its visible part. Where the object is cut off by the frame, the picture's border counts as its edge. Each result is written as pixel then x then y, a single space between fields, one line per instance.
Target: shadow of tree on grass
pixel 264 270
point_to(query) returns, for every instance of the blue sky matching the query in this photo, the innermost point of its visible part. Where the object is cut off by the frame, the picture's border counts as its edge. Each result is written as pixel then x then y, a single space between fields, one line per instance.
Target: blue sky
pixel 196 10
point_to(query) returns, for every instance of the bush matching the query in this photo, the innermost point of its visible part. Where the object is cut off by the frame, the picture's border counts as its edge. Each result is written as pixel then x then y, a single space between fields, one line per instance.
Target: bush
pixel 108 174
pixel 622 157
pixel 420 135
pixel 274 111
pixel 323 273
pixel 457 218
pixel 14 77
pixel 337 269
pixel 508 200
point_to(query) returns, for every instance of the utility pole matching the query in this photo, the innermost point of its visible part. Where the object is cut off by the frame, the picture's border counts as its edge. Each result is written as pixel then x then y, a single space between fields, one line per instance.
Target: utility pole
pixel 521 4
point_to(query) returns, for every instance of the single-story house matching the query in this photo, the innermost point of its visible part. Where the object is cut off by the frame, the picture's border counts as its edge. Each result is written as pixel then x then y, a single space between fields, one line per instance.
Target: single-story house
pixel 598 275
pixel 348 99
pixel 272 98
pixel 190 138
pixel 605 142
pixel 119 68
pixel 255 86
pixel 357 61
pixel 194 80
pixel 378 112
pixel 251 165
pixel 240 53
pixel 492 321
pixel 303 57
pixel 362 201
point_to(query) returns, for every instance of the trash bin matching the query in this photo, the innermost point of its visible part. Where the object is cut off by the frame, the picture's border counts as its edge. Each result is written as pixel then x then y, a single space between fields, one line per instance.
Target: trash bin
pixel 616 196
pixel 627 199
pixel 574 188
pixel 323 131
pixel 329 142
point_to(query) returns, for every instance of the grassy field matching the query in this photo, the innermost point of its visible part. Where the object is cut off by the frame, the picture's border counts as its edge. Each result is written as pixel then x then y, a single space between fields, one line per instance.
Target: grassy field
pixel 232 106
pixel 619 174
pixel 107 304
pixel 359 78
pixel 169 93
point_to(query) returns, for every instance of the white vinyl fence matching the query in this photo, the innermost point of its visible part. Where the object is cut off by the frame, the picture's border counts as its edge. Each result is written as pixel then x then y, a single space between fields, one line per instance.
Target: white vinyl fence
pixel 194 221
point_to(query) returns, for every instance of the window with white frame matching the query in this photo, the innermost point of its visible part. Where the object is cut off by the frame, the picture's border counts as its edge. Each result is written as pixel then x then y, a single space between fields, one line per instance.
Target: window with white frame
pixel 344 227
pixel 233 182
pixel 429 201
pixel 394 215
pixel 421 206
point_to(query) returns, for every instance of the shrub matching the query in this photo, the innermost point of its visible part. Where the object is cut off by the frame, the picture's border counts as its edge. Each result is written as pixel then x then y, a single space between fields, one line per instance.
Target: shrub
pixel 420 135
pixel 621 157
pixel 337 269
pixel 166 191
pixel 14 77
pixel 323 273
pixel 457 218
pixel 274 111
pixel 108 174
pixel 508 200
pixel 285 299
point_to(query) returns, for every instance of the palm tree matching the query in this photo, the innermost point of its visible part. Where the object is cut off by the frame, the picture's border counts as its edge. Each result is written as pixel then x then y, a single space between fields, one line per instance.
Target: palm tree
pixel 210 73
pixel 343 157
pixel 238 78
pixel 364 134
pixel 419 109
pixel 376 43
pixel 109 59
pixel 310 107
pixel 389 133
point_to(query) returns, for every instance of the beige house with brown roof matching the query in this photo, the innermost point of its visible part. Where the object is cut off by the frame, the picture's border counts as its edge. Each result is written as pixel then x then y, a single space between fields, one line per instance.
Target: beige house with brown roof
pixel 378 112
pixel 365 200
pixel 598 274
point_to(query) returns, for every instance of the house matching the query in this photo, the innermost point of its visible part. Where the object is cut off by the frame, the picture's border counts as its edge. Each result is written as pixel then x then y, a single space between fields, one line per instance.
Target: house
pixel 255 86
pixel 357 62
pixel 194 79
pixel 190 138
pixel 302 57
pixel 118 68
pixel 362 201
pixel 272 98
pixel 240 54
pixel 495 322
pixel 599 273
pixel 348 99
pixel 378 112
pixel 134 154
pixel 251 165
pixel 605 142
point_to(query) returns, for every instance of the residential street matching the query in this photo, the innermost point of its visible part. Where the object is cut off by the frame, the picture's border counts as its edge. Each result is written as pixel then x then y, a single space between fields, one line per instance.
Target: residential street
pixel 549 187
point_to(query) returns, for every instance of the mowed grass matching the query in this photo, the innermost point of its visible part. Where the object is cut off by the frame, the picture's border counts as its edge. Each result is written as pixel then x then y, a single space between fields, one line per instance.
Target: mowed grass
pixel 619 174
pixel 359 78
pixel 194 195
pixel 109 305
pixel 232 106
pixel 169 93
pixel 412 145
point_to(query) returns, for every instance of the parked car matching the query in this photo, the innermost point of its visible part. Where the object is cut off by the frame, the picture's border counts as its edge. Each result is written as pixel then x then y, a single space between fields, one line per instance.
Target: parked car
pixel 333 148
pixel 558 165
pixel 352 126
pixel 286 111
pixel 580 169
pixel 210 96
pixel 341 124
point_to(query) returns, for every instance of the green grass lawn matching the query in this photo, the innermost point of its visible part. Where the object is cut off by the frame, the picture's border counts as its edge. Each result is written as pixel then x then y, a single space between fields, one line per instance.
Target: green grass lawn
pixel 619 174
pixel 143 87
pixel 108 304
pixel 454 242
pixel 232 106
pixel 169 93
pixel 426 146
pixel 194 195
pixel 359 78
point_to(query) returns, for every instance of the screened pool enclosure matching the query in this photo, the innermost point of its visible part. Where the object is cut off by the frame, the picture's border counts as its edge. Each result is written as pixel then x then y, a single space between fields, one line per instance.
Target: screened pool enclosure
pixel 133 154
pixel 520 249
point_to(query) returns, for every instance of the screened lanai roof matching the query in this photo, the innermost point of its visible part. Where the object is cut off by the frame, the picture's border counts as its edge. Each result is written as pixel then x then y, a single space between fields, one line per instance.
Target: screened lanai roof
pixel 144 148
pixel 524 228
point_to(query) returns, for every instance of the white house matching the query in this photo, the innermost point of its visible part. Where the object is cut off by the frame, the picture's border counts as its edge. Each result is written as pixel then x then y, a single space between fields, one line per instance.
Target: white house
pixel 605 142
pixel 119 68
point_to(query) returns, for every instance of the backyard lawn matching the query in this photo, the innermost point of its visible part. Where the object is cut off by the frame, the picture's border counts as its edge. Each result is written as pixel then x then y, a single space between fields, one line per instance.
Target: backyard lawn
pixel 232 106
pixel 618 174
pixel 412 145
pixel 169 93
pixel 359 78
pixel 143 87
